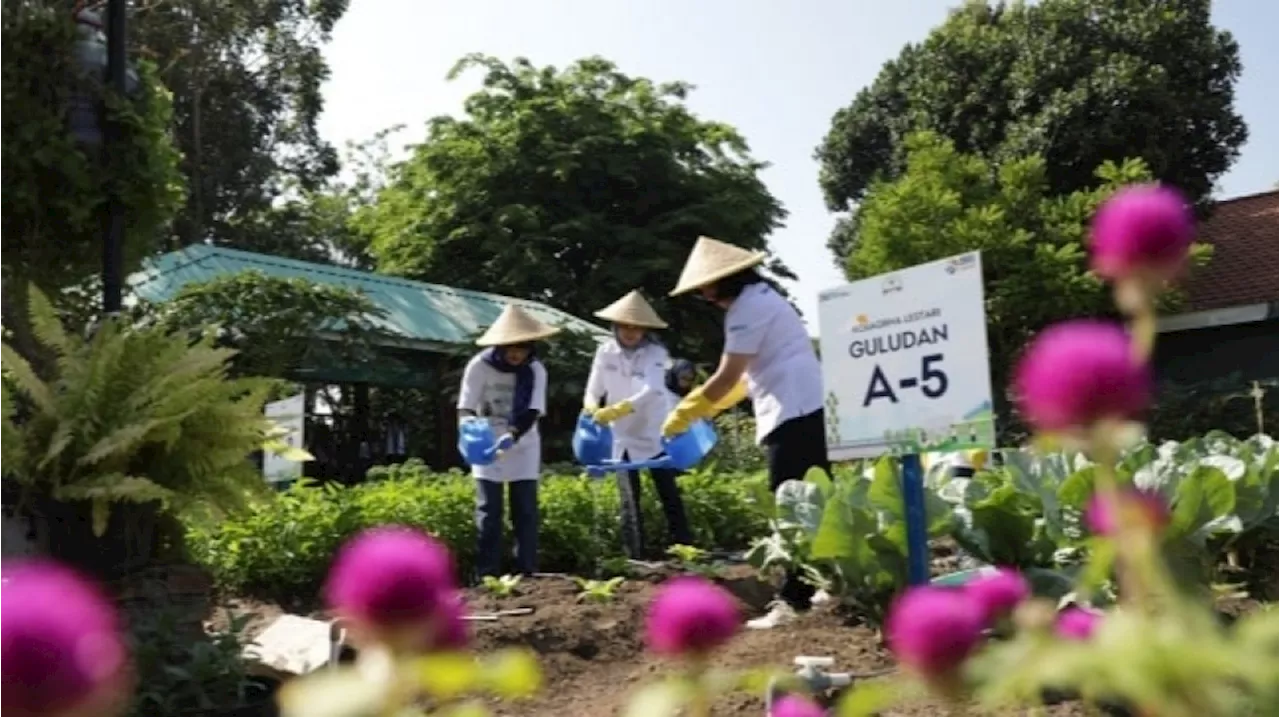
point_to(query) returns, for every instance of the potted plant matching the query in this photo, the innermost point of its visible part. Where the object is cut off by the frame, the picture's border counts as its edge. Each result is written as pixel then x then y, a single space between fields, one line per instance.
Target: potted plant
pixel 110 438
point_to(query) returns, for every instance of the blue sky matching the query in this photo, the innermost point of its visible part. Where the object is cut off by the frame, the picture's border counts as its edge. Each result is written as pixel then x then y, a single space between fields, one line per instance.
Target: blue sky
pixel 775 70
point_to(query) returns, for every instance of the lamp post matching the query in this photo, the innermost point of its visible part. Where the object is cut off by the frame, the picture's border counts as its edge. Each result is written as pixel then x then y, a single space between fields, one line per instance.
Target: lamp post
pixel 113 239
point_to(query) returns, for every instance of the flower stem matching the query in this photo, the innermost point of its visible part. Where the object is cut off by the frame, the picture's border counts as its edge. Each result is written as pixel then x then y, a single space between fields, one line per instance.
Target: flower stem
pixel 699 700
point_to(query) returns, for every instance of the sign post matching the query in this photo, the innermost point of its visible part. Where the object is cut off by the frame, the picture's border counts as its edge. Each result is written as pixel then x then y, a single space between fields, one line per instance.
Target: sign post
pixel 290 415
pixel 906 372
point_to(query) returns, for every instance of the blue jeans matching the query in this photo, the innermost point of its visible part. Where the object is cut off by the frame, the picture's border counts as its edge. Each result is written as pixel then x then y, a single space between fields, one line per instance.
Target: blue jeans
pixel 524 522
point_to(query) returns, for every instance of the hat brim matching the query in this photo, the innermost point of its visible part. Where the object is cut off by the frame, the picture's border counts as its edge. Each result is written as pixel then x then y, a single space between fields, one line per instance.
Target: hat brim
pixel 712 276
pixel 631 320
pixel 507 339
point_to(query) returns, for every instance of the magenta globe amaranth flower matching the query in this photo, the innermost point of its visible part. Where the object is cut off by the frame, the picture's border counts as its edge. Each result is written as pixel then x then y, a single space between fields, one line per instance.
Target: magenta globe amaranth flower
pixel 391 580
pixel 931 630
pixel 690 616
pixel 794 706
pixel 1077 373
pixel 997 594
pixel 1076 623
pixel 61 648
pixel 450 632
pixel 1130 505
pixel 1141 231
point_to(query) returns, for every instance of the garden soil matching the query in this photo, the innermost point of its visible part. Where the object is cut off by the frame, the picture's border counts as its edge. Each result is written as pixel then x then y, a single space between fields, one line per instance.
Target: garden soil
pixel 593 656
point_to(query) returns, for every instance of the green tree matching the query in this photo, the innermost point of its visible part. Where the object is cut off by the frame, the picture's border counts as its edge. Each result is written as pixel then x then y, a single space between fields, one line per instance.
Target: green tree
pixel 571 187
pixel 277 325
pixel 246 78
pixel 1077 82
pixel 1033 259
pixel 53 186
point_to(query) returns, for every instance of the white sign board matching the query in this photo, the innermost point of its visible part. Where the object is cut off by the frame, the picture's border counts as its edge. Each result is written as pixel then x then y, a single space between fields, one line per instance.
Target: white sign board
pixel 290 415
pixel 904 361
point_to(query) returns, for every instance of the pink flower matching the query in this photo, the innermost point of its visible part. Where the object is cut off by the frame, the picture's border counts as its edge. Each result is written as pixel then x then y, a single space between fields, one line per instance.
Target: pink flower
pixel 793 706
pixel 690 616
pixel 997 594
pixel 1079 372
pixel 451 628
pixel 1144 507
pixel 933 629
pixel 388 580
pixel 1076 623
pixel 1142 229
pixel 61 649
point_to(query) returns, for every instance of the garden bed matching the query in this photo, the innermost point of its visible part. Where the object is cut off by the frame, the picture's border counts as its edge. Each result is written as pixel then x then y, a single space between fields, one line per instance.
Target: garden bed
pixel 593 656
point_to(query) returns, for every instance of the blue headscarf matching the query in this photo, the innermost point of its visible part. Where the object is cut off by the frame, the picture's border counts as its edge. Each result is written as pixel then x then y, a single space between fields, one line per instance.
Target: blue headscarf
pixel 496 358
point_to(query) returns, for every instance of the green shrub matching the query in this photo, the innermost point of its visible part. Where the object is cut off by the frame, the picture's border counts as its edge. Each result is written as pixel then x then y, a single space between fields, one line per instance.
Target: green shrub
pixel 282 546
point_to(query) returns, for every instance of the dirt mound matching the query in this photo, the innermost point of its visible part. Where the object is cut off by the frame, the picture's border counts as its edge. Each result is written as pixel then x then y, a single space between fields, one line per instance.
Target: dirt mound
pixel 593 655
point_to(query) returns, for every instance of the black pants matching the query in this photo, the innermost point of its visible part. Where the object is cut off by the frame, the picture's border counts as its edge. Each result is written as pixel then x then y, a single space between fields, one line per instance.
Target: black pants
pixel 524 522
pixel 791 449
pixel 672 508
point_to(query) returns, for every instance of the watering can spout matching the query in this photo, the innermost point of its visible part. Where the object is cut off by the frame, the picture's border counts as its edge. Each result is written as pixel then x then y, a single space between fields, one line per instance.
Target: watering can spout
pixel 680 452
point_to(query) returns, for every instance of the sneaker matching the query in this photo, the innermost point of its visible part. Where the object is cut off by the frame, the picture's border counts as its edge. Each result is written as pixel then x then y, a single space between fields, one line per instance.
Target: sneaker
pixel 821 597
pixel 780 613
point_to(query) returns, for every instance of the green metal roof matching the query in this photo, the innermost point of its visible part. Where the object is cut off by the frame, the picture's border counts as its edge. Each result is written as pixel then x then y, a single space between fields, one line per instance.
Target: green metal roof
pixel 420 315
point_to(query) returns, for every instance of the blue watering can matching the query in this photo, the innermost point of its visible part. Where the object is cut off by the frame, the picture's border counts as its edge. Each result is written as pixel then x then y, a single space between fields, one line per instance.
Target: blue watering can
pixel 680 452
pixel 592 442
pixel 476 442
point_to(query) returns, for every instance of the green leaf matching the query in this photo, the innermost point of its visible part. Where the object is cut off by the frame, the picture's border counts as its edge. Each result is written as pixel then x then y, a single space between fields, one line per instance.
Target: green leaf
pixel 866 699
pixel 512 673
pixel 101 514
pixel 1205 494
pixel 448 675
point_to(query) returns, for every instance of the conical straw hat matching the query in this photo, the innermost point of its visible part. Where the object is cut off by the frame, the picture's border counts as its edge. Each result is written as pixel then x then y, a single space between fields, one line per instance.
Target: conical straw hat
pixel 515 326
pixel 712 260
pixel 632 310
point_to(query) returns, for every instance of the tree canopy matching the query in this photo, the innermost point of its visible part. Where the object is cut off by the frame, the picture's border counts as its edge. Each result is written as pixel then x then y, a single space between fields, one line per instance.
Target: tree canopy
pixel 571 186
pixel 54 182
pixel 1076 82
pixel 245 77
pixel 1034 263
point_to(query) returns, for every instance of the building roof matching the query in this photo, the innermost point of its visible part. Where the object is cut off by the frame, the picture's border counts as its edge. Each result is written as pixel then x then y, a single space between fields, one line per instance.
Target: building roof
pixel 1243 270
pixel 420 315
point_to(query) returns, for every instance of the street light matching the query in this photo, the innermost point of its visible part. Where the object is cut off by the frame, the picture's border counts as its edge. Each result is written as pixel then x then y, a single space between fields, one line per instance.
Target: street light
pixel 104 57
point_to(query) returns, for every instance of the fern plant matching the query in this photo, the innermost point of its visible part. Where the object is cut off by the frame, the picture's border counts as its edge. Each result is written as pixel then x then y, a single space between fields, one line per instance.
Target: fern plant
pixel 131 415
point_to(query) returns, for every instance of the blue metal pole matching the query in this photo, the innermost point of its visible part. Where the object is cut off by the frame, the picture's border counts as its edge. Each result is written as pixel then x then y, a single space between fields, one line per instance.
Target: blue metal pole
pixel 917 527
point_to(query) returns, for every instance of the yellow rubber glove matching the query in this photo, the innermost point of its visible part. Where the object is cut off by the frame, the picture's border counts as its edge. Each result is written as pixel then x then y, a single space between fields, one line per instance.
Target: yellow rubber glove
pixel 735 396
pixel 589 406
pixel 609 414
pixel 690 409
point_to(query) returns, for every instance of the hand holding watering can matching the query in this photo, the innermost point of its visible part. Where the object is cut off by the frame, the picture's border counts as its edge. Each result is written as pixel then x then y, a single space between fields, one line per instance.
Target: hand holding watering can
pixel 478 444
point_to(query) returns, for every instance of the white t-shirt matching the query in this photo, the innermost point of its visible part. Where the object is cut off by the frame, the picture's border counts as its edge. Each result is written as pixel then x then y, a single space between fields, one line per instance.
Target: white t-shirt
pixel 638 376
pixel 784 378
pixel 489 393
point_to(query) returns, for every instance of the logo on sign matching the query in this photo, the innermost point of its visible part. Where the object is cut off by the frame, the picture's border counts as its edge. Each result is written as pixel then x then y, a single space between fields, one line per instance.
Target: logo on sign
pixel 961 263
pixel 891 284
pixel 861 320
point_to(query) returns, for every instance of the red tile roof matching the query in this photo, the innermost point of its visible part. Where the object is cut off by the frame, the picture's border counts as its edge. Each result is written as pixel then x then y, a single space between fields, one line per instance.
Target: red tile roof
pixel 1243 270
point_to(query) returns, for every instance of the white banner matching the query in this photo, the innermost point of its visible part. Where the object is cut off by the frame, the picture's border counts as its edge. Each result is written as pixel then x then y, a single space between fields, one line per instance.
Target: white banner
pixel 290 415
pixel 904 361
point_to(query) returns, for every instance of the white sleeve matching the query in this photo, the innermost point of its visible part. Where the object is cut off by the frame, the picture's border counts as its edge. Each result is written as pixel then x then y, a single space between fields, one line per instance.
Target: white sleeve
pixel 472 391
pixel 539 400
pixel 595 380
pixel 744 331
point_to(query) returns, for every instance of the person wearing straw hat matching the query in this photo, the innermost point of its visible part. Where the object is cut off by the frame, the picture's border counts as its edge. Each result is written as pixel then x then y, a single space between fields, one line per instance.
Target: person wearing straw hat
pixel 629 370
pixel 506 385
pixel 765 343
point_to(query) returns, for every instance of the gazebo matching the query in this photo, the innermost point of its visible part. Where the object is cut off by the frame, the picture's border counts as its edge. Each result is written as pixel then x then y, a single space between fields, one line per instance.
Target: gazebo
pixel 424 325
